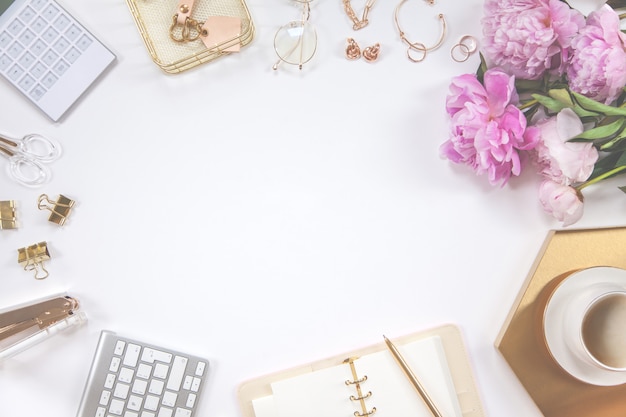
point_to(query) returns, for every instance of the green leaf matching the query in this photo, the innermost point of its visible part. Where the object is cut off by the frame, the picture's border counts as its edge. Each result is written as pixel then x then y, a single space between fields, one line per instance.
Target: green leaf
pixel 560 99
pixel 602 132
pixel 594 106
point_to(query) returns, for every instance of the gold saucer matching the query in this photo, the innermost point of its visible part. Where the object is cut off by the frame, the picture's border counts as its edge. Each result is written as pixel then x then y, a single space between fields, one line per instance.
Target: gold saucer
pixel 521 341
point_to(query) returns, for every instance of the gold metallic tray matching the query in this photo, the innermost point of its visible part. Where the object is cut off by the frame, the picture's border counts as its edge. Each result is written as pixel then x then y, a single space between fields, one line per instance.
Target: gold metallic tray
pixel 521 340
pixel 154 18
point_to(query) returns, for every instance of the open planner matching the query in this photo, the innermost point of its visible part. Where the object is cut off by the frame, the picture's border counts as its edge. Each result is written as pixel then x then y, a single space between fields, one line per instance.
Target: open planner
pixel 370 382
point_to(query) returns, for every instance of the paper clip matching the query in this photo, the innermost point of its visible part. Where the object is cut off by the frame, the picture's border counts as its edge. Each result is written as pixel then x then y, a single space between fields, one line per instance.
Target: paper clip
pixel 7 215
pixel 32 259
pixel 24 326
pixel 59 210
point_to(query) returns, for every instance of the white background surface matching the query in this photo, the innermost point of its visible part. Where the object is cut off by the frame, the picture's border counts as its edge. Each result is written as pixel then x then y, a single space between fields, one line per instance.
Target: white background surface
pixel 267 219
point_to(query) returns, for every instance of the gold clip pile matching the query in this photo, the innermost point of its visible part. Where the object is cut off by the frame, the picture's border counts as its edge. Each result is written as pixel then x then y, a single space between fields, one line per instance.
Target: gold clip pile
pixel 59 210
pixel 32 259
pixel 7 215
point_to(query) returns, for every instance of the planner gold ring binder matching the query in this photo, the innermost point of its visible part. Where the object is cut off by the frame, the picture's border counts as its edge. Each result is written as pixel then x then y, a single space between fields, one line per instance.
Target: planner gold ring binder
pixel 438 357
pixel 356 381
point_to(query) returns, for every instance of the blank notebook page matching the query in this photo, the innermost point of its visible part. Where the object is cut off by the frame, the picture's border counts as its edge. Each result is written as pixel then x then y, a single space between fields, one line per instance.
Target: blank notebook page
pixel 325 393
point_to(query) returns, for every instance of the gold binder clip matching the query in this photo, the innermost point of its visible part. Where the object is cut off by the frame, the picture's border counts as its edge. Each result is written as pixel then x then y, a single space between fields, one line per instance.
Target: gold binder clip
pixel 32 259
pixel 23 326
pixel 59 210
pixel 7 215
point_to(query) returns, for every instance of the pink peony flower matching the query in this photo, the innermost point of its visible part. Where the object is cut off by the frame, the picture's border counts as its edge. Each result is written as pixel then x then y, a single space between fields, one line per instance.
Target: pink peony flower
pixel 598 64
pixel 529 37
pixel 562 161
pixel 563 202
pixel 488 130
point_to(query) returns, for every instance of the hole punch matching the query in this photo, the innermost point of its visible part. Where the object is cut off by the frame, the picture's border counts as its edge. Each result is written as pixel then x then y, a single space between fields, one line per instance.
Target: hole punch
pixel 32 258
pixel 8 218
pixel 59 209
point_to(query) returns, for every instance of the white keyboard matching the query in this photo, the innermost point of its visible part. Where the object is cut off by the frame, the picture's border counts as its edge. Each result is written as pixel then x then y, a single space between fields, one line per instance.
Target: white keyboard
pixel 47 54
pixel 132 379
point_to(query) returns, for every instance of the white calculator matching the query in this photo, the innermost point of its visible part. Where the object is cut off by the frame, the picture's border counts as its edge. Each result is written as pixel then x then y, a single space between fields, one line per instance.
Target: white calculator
pixel 47 54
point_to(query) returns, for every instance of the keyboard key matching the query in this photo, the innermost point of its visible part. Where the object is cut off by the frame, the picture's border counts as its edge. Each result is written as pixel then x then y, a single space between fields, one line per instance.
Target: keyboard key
pixel 49 35
pixel 132 355
pixel 26 83
pixel 5 39
pixel 50 12
pixel 27 14
pixel 147 414
pixel 15 50
pixel 15 72
pixel 160 370
pixel 151 403
pixel 15 27
pixel 49 57
pixel 150 355
pixel 139 387
pixel 27 37
pixel 61 45
pixel 49 80
pixel 5 61
pixel 38 4
pixel 178 371
pixel 109 381
pixel 121 391
pixel 104 398
pixel 156 387
pixel 195 384
pixel 73 32
pixel 27 60
pixel 191 400
pixel 169 399
pixel 39 25
pixel 101 412
pixel 115 364
pixel 59 68
pixel 200 368
pixel 182 412
pixel 72 55
pixel 84 42
pixel 38 47
pixel 165 412
pixel 126 375
pixel 144 371
pixel 61 23
pixel 134 403
pixel 37 92
pixel 116 407
pixel 119 347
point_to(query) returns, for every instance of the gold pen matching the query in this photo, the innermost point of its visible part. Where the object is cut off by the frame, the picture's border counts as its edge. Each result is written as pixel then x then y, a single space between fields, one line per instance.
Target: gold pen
pixel 412 378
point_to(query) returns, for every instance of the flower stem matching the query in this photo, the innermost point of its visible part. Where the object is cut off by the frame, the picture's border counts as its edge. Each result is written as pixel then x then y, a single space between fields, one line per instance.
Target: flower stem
pixel 601 177
pixel 528 104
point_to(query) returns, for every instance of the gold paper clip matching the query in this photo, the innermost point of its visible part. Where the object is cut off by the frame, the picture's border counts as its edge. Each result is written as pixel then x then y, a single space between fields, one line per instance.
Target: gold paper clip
pixel 59 210
pixel 32 259
pixel 23 326
pixel 7 215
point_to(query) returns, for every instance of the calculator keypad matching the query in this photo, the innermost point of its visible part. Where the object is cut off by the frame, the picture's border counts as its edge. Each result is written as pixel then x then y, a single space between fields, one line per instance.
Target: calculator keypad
pixel 39 45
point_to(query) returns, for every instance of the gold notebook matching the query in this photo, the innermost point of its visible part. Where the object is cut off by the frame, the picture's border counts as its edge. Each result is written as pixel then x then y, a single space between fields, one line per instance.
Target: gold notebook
pixel 328 387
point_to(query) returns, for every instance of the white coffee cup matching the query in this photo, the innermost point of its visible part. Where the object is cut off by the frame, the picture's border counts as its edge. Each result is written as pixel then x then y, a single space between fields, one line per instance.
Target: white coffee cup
pixel 585 325
pixel 595 326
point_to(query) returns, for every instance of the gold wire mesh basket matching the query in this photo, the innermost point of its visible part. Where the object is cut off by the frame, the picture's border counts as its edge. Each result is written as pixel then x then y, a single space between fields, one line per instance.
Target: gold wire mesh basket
pixel 154 20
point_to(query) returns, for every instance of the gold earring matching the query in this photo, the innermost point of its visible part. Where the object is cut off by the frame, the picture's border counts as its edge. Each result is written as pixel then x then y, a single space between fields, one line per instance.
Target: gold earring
pixel 466 46
pixel 370 54
pixel 416 51
pixel 352 50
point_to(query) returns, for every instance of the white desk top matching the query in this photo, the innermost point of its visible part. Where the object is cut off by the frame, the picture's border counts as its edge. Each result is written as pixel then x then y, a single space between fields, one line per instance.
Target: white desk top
pixel 266 219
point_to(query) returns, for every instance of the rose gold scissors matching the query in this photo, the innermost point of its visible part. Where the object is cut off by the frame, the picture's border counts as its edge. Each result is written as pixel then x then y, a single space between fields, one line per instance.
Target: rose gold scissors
pixel 28 156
